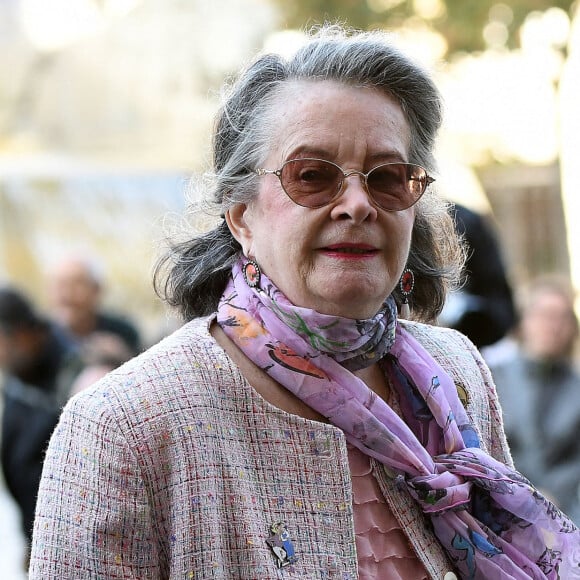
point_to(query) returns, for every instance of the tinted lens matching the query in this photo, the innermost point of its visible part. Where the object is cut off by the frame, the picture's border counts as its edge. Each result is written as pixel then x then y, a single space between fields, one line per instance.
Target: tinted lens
pixel 310 182
pixel 397 186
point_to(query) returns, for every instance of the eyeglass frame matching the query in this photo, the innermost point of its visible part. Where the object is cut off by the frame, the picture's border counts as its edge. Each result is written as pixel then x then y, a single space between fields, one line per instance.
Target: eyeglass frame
pixel 278 173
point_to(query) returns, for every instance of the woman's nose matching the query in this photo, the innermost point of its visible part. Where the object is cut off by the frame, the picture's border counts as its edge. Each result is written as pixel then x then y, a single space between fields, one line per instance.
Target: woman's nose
pixel 354 201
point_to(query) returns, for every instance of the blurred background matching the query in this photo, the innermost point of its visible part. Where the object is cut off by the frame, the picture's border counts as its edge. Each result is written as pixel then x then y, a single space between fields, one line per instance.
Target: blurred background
pixel 106 110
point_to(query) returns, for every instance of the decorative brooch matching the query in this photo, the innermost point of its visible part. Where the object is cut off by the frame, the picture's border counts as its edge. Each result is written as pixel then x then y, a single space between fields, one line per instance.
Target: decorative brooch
pixel 281 545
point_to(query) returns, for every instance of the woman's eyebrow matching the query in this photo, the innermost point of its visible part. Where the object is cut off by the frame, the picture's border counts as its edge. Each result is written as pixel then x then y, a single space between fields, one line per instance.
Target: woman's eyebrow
pixel 387 156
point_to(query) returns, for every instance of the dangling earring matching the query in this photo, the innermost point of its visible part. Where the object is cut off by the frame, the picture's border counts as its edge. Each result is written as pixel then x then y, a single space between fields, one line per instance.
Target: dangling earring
pixel 406 285
pixel 252 273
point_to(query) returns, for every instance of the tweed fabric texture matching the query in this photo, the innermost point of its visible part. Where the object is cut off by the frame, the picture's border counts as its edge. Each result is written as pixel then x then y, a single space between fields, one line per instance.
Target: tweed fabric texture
pixel 174 467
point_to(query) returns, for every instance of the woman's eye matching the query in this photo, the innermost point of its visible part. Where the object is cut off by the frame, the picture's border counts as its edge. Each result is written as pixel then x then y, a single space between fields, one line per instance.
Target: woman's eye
pixel 311 175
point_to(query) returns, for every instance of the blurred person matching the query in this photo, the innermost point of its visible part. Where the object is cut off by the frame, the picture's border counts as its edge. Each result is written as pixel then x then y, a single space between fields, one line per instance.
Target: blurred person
pixel 35 358
pixel 101 353
pixel 483 307
pixel 539 389
pixel 76 287
pixel 299 424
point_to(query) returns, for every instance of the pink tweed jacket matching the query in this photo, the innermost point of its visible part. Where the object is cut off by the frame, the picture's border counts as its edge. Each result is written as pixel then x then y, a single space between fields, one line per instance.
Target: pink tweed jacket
pixel 173 466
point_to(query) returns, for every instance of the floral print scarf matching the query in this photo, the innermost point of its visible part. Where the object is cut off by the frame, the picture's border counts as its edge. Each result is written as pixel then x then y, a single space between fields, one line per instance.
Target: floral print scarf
pixel 488 517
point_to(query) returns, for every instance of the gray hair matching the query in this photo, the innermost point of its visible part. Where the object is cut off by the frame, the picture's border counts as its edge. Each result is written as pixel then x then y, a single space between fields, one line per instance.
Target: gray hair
pixel 195 272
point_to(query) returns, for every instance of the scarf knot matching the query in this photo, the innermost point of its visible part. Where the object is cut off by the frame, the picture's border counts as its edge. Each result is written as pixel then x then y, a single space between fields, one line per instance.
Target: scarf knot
pixel 439 492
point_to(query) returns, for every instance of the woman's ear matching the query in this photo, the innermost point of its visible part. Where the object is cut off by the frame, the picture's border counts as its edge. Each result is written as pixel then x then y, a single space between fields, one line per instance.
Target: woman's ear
pixel 236 219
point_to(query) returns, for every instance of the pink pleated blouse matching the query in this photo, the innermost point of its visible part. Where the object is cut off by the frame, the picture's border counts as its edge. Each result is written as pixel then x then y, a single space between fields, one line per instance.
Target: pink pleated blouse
pixel 382 547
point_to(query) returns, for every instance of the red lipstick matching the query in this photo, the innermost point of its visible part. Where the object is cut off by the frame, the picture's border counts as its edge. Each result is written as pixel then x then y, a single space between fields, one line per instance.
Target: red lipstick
pixel 350 251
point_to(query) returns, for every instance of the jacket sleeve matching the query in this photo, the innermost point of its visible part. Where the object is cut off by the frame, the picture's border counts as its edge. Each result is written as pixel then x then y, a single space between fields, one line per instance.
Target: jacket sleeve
pixel 93 516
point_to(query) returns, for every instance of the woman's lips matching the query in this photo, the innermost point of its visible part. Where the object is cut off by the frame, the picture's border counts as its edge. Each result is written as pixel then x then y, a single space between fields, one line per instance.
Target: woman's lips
pixel 350 251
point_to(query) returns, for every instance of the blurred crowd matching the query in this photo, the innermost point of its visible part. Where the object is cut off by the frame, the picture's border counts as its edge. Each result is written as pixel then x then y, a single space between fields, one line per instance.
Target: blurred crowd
pixel 48 357
pixel 527 336
pixel 535 373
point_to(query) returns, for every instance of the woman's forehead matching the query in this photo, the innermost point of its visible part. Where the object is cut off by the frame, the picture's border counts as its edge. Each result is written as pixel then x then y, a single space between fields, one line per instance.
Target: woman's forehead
pixel 326 115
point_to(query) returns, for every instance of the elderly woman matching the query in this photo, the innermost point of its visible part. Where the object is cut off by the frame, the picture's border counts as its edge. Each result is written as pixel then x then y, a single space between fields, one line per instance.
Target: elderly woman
pixel 295 427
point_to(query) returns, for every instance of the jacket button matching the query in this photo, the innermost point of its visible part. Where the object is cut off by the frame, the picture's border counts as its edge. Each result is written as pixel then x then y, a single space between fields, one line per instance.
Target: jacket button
pixel 450 576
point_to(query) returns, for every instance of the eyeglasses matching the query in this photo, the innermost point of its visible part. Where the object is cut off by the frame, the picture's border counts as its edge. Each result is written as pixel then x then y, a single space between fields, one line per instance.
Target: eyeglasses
pixel 315 183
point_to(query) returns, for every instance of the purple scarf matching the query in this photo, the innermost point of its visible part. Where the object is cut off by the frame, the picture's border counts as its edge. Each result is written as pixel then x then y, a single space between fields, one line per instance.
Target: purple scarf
pixel 488 517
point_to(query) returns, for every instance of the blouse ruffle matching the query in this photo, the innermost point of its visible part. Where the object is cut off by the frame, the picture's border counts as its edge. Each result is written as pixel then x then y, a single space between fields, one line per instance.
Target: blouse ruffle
pixel 382 547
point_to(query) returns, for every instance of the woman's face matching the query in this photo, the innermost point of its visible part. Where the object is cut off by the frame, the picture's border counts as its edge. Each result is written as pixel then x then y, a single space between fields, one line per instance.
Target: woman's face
pixel 347 257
